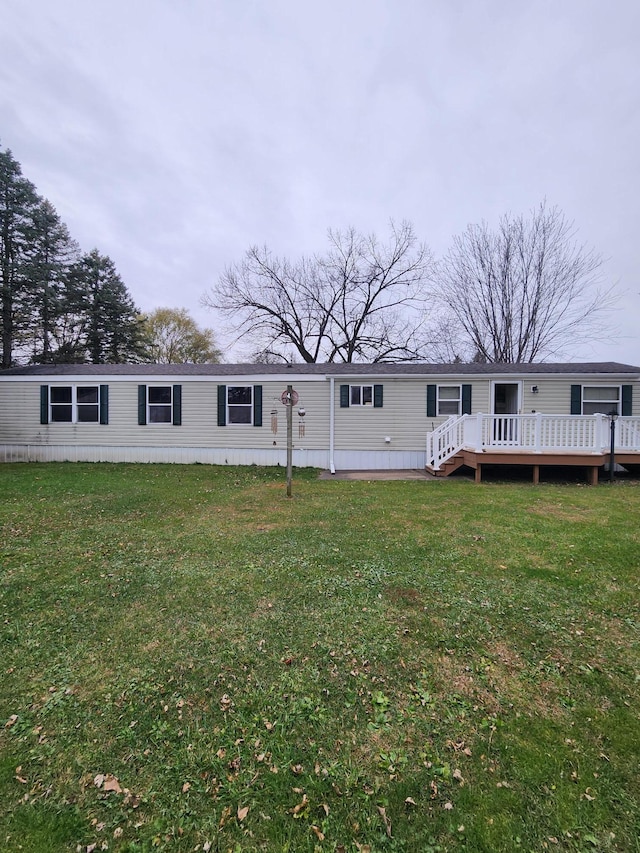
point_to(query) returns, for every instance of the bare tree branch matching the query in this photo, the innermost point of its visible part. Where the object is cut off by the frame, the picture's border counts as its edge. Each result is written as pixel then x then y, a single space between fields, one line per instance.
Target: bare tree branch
pixel 357 302
pixel 525 291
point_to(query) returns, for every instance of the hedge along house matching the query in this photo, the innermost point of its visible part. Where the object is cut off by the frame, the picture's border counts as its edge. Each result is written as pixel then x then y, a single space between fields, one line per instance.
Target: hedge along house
pixel 348 416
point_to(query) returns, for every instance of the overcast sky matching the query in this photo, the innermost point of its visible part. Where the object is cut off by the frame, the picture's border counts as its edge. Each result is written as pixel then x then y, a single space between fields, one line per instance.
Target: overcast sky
pixel 174 134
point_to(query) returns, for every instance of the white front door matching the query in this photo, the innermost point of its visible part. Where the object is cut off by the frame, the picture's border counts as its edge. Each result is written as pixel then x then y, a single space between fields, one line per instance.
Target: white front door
pixel 506 400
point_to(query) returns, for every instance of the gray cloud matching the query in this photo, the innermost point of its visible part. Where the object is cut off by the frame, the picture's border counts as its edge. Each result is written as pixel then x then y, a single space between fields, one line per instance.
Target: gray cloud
pixel 174 136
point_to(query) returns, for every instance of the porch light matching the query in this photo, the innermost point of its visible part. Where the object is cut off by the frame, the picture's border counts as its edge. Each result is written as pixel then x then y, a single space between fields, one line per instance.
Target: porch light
pixel 534 389
pixel 613 415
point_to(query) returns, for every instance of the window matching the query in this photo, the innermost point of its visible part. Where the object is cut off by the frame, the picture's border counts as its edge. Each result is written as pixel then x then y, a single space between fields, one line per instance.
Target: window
pixel 160 404
pixel 449 399
pixel 239 404
pixel 600 399
pixel 74 404
pixel 361 395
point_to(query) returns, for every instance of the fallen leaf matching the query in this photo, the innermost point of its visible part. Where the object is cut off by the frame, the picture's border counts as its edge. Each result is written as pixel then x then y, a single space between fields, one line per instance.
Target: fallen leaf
pixel 117 832
pixel 112 784
pixel 410 802
pixel 297 769
pixel 448 806
pixel 98 780
pixel 186 787
pixel 11 721
pixel 301 805
pixel 387 822
pixel 242 813
pixel 318 833
pixel 457 775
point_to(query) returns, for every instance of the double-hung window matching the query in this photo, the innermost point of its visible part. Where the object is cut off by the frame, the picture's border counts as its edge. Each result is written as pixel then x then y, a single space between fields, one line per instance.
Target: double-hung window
pixel 74 404
pixel 449 399
pixel 239 404
pixel 160 404
pixel 600 399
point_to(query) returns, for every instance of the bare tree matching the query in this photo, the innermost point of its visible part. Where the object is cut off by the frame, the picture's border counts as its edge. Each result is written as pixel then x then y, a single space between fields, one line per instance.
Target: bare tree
pixel 357 302
pixel 525 291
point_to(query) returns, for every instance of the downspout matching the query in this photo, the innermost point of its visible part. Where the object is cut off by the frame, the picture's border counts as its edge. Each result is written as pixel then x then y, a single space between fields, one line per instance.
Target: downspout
pixel 332 413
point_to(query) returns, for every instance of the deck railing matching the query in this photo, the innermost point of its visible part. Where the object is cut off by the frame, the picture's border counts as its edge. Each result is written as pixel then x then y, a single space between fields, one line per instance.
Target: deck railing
pixel 535 433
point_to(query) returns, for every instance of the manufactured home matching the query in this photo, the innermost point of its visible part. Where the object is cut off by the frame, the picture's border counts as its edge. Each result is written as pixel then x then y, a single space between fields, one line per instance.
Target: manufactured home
pixel 346 416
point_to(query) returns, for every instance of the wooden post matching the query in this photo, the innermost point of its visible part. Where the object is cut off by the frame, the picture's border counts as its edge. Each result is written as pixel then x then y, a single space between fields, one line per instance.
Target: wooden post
pixel 478 477
pixel 289 437
pixel 536 475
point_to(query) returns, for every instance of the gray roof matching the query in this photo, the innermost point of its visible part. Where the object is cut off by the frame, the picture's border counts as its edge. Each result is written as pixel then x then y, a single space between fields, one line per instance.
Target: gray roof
pixel 336 370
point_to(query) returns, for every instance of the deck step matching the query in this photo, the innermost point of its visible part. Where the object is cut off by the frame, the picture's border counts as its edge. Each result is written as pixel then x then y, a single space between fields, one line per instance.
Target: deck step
pixel 449 466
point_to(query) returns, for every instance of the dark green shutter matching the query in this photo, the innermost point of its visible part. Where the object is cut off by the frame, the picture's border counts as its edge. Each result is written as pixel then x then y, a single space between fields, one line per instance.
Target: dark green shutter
pixel 627 400
pixel 44 404
pixel 431 401
pixel 344 396
pixel 177 405
pixel 222 405
pixel 104 404
pixel 257 405
pixel 576 399
pixel 377 396
pixel 142 404
pixel 466 399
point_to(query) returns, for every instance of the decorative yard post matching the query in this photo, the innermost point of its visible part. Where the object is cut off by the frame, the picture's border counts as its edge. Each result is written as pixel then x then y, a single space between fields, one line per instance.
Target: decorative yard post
pixel 289 398
pixel 613 414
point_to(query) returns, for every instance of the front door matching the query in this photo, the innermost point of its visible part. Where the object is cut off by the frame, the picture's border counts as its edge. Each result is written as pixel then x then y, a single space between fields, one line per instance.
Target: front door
pixel 507 400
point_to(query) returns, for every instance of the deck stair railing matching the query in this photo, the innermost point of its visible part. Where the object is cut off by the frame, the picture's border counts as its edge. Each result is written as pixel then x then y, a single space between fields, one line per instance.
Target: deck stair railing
pixel 534 433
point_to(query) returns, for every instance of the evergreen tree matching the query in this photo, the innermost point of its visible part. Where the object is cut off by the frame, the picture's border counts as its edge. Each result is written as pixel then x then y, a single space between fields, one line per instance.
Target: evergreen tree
pixel 52 253
pixel 18 201
pixel 110 322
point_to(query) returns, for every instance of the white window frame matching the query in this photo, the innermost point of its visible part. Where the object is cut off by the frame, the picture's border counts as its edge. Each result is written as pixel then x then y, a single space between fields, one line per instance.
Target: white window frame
pixel 360 395
pixel 157 405
pixel 75 405
pixel 440 400
pixel 605 406
pixel 234 405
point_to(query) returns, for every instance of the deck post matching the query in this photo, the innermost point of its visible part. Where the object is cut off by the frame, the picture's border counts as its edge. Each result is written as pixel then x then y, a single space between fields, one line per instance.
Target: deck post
pixel 536 475
pixel 478 477
pixel 592 475
pixel 479 418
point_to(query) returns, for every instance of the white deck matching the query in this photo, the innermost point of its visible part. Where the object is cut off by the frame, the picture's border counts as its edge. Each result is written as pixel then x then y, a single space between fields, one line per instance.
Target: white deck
pixel 536 434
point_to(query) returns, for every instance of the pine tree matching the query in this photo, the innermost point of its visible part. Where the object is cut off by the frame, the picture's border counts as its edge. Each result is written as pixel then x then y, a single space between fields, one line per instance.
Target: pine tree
pixel 52 253
pixel 18 201
pixel 111 327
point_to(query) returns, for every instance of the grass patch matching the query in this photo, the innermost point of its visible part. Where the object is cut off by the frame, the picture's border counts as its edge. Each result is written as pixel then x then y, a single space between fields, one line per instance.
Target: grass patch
pixel 190 661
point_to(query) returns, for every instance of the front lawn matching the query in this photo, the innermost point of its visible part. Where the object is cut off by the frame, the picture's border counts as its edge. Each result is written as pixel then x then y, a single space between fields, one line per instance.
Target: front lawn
pixel 192 661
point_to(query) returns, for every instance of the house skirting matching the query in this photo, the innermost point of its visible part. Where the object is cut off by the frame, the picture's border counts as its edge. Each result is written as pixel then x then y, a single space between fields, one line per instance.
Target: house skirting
pixel 343 459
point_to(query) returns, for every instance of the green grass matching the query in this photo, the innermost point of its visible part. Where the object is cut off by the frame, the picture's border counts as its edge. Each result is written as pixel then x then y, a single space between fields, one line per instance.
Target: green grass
pixel 191 661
